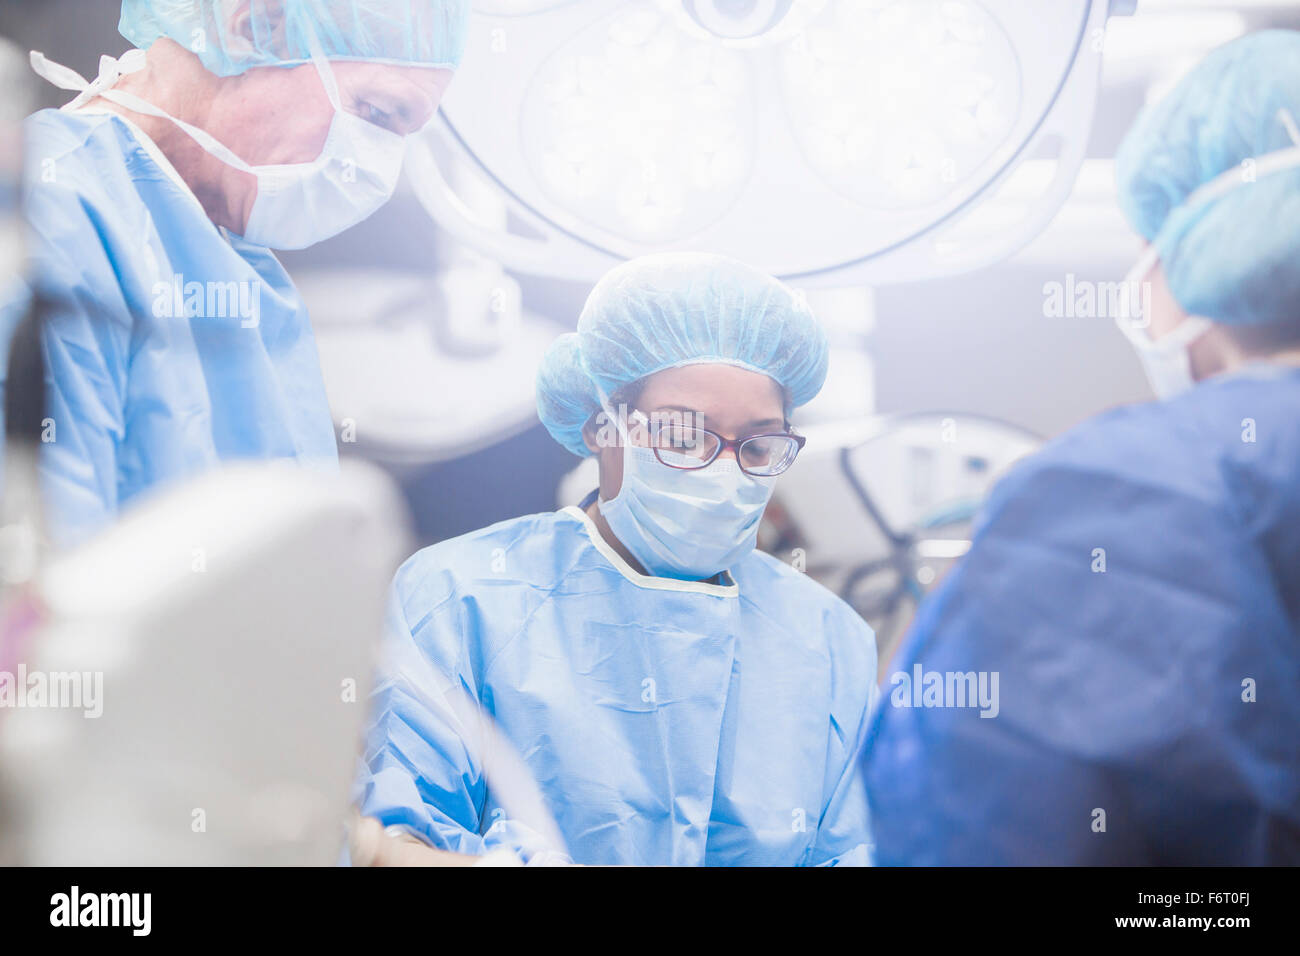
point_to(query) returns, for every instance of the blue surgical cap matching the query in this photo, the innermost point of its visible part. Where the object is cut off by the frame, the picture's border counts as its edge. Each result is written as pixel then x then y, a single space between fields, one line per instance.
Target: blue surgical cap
pixel 674 309
pixel 1234 259
pixel 402 32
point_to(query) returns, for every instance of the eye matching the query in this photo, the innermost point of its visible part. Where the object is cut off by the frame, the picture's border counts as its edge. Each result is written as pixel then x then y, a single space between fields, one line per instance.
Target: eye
pixel 373 114
pixel 683 439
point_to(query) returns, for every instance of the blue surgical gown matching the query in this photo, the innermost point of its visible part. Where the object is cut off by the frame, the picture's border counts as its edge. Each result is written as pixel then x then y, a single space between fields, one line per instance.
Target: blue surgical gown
pixel 1136 586
pixel 172 345
pixel 665 722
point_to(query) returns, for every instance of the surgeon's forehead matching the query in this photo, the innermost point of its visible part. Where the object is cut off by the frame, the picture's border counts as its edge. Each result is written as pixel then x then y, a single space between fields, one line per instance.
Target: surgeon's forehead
pixel 425 77
pixel 721 394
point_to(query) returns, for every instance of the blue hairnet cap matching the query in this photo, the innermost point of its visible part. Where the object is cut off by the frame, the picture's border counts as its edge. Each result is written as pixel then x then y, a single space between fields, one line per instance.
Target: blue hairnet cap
pixel 674 309
pixel 402 32
pixel 1234 259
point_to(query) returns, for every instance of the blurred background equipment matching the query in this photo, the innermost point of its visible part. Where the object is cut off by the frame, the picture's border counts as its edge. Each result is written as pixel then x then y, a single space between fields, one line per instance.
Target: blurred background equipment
pixel 882 508
pixel 206 663
pixel 17 103
pixel 19 84
pixel 22 387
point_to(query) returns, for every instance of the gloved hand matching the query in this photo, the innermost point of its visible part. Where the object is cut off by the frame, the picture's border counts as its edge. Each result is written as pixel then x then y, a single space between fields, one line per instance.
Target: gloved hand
pixel 371 844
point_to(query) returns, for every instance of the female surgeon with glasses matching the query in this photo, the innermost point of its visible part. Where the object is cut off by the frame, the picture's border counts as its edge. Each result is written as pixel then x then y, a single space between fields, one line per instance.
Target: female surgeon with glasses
pixel 679 697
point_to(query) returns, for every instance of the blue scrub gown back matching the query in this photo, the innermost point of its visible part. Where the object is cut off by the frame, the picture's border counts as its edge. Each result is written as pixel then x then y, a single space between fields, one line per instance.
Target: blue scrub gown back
pixel 1136 586
pixel 172 345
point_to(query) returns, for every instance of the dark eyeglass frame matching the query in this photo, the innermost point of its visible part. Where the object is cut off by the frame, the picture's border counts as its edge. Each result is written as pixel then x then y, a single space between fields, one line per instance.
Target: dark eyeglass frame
pixel 734 445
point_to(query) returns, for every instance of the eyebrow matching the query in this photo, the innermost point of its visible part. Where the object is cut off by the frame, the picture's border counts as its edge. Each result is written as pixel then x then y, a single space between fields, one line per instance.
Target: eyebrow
pixel 756 423
pixel 766 423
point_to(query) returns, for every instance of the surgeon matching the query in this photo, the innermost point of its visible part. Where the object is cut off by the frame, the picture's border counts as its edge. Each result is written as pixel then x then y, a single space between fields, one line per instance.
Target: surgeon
pixel 1136 585
pixel 678 697
pixel 155 198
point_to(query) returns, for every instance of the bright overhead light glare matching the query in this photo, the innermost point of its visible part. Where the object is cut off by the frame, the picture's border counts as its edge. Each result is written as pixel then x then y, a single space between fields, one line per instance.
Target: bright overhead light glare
pixel 732 20
pixel 636 128
pixel 517 8
pixel 897 105
pixel 745 24
pixel 826 141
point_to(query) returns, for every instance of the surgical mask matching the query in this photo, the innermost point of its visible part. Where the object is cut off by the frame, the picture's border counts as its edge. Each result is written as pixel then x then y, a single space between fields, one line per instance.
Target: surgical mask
pixel 297 204
pixel 685 524
pixel 1167 360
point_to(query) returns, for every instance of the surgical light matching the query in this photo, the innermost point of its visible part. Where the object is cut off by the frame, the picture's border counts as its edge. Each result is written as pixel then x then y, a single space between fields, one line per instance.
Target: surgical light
pixel 826 141
pixel 651 134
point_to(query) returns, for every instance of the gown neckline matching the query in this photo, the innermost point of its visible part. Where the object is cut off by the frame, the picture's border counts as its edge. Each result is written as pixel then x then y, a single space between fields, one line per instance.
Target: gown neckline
pixel 730 590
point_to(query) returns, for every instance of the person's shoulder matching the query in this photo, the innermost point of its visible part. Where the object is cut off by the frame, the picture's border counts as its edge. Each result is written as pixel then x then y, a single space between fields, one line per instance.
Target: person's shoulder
pixel 527 549
pixel 1257 405
pixel 1145 443
pixel 78 169
pixel 761 568
pixel 817 621
pixel 53 139
pixel 766 580
pixel 1129 470
pixel 1180 443
pixel 60 129
pixel 1117 434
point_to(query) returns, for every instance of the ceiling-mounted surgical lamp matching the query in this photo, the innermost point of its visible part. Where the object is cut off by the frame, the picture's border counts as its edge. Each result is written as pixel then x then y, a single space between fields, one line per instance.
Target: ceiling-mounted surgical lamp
pixel 830 142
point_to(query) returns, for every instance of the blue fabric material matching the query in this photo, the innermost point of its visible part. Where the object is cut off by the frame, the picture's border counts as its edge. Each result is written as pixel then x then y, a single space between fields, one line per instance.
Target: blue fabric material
pixel 663 725
pixel 673 309
pixel 410 32
pixel 1120 690
pixel 1232 259
pixel 173 346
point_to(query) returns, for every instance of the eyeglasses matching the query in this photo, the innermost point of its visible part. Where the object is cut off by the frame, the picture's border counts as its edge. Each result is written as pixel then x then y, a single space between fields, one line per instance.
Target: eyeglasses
pixel 689 448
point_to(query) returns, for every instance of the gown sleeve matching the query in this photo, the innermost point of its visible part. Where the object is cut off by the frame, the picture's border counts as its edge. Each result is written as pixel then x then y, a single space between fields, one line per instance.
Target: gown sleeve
pixel 421 775
pixel 843 833
pixel 86 343
pixel 1141 657
pixel 425 749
